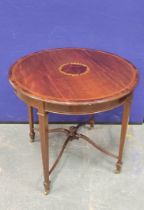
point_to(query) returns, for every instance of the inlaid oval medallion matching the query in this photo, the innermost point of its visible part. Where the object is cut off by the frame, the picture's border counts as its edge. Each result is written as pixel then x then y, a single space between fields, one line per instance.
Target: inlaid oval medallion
pixel 74 69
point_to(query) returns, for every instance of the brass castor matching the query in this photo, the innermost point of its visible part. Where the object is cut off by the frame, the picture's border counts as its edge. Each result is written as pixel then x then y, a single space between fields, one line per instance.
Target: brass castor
pixel 47 188
pixel 118 168
pixel 32 136
pixel 46 192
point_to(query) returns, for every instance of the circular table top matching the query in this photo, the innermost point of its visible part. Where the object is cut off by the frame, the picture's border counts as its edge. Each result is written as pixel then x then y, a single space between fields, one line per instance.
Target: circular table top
pixel 73 75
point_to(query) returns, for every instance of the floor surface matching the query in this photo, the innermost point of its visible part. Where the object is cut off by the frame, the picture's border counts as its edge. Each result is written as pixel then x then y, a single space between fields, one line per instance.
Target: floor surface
pixel 84 178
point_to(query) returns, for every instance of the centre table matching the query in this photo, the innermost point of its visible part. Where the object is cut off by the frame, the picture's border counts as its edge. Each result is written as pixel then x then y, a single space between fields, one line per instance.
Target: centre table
pixel 73 81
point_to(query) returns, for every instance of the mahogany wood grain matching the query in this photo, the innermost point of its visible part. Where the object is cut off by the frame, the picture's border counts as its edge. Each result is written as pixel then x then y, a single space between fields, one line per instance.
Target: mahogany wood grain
pixel 73 76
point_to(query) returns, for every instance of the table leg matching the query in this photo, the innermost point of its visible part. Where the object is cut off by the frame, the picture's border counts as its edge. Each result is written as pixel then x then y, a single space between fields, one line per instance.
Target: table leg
pixel 31 123
pixel 125 119
pixel 91 121
pixel 43 124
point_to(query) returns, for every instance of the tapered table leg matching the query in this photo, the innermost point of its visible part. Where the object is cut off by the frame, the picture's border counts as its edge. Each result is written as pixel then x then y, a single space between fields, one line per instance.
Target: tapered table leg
pixel 91 121
pixel 43 124
pixel 31 123
pixel 125 119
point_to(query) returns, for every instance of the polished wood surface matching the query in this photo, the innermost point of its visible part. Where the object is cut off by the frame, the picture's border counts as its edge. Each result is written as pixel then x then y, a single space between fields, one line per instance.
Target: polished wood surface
pixel 73 81
pixel 73 76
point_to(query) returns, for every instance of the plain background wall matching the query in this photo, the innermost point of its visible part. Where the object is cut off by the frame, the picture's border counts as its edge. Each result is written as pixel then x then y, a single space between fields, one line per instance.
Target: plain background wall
pixel 31 25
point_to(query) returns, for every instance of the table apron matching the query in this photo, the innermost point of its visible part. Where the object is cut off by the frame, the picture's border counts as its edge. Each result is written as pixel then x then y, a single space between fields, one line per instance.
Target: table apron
pixel 69 109
pixel 83 109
